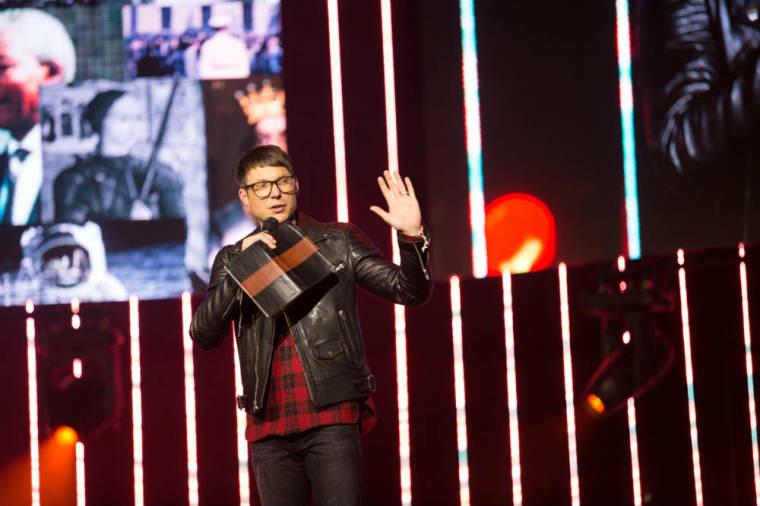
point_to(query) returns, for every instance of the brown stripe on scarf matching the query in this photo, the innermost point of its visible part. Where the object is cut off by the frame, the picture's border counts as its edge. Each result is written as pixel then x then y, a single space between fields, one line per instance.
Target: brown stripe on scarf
pixel 269 272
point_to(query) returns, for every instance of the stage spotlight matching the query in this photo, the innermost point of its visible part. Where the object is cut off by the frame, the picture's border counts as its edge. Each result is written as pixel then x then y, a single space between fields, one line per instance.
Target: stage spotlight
pixel 636 355
pixel 520 234
pixel 65 435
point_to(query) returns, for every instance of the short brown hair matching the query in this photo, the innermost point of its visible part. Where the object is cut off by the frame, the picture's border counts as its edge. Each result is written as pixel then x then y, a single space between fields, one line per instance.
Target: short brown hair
pixel 261 156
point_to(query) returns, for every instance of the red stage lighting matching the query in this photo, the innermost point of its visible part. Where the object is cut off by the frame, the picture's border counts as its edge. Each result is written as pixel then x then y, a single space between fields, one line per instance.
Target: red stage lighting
pixel 520 234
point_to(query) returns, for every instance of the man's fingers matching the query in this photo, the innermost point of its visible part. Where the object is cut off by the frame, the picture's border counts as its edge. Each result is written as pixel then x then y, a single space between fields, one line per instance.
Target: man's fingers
pixel 384 188
pixel 380 212
pixel 392 186
pixel 409 187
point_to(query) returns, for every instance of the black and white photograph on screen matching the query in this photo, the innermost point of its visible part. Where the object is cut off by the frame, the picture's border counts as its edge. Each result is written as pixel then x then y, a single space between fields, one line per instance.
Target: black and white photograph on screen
pixel 129 152
pixel 240 114
pixel 222 40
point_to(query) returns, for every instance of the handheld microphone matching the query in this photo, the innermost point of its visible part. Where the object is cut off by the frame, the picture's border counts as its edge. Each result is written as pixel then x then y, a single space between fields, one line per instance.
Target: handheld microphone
pixel 270 224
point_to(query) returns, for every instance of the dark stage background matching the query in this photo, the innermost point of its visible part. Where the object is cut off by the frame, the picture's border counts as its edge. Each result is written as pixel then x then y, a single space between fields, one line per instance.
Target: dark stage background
pixel 551 129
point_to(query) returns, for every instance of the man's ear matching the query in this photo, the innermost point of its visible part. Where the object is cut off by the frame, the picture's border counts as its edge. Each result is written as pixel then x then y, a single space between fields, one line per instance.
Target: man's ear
pixel 54 72
pixel 243 196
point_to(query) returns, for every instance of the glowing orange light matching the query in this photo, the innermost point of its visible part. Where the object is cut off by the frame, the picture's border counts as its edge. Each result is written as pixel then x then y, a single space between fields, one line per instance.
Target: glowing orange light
pixel 623 286
pixel 520 234
pixel 65 435
pixel 596 403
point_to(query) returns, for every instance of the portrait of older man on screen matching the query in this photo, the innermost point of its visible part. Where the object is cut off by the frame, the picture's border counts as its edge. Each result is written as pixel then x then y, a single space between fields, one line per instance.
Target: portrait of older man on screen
pixel 35 49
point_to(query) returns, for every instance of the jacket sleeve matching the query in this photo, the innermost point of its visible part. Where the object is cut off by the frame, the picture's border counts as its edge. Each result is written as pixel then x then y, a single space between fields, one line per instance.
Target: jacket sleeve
pixel 211 321
pixel 408 284
pixel 708 102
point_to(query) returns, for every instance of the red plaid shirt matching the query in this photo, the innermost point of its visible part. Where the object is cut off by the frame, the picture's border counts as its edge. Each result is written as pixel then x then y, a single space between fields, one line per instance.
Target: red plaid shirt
pixel 288 408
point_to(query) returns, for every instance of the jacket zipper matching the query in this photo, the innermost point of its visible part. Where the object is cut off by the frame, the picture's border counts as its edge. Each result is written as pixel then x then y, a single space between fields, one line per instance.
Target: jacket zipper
pixel 347 333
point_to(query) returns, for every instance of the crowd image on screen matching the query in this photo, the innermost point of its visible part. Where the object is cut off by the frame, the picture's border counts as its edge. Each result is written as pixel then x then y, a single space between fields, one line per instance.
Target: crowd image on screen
pixel 205 44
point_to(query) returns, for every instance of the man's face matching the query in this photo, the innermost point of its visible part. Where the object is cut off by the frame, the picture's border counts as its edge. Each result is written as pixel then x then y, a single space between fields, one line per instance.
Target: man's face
pixel 21 75
pixel 277 204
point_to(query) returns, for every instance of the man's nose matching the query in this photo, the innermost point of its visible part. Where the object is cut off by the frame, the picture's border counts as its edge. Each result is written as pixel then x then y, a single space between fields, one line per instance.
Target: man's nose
pixel 276 193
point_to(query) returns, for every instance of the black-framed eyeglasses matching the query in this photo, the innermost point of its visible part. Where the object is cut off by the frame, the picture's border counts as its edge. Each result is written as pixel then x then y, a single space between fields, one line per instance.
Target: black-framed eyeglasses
pixel 262 189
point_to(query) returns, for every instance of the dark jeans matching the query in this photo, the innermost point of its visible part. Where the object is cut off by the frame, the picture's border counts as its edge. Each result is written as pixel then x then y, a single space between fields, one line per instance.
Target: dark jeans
pixel 323 461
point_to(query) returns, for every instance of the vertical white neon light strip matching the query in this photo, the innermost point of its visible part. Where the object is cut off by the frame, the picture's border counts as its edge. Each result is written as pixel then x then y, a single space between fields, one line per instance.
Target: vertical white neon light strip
pixel 34 431
pixel 567 361
pixel 689 380
pixel 456 333
pixel 137 434
pixel 79 452
pixel 192 452
pixel 242 444
pixel 472 140
pixel 626 115
pixel 633 438
pixel 634 443
pixel 509 343
pixel 750 371
pixel 336 84
pixel 402 391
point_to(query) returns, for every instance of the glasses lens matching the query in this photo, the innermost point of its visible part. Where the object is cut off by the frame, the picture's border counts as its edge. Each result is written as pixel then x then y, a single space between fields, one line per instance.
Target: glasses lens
pixel 286 184
pixel 262 189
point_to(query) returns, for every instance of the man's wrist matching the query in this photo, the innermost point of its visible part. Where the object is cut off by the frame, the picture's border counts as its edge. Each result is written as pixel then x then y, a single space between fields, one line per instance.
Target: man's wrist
pixel 414 231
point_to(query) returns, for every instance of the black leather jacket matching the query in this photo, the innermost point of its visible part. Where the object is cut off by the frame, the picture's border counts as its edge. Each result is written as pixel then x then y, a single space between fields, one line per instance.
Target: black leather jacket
pixel 712 99
pixel 324 320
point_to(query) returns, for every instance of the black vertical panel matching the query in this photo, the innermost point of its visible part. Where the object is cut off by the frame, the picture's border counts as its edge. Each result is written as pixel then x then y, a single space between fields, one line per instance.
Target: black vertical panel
pixel 15 475
pixel 364 113
pixel 540 388
pixel 163 399
pixel 602 444
pixel 308 109
pixel 444 143
pixel 216 423
pixel 432 412
pixel 409 100
pixel 720 380
pixel 108 456
pixel 486 391
pixel 550 120
pixel 381 483
pixel 662 417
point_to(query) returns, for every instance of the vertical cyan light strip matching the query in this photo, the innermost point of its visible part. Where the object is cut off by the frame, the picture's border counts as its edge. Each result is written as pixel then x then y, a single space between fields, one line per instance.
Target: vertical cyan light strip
pixel 626 116
pixel 633 438
pixel 567 361
pixel 391 130
pixel 472 137
pixel 456 333
pixel 137 433
pixel 689 380
pixel 192 452
pixel 34 430
pixel 242 444
pixel 514 431
pixel 750 371
pixel 79 452
pixel 336 84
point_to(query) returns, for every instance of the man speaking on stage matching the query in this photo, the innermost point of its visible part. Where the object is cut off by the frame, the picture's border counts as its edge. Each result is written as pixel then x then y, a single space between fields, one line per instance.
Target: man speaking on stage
pixel 306 383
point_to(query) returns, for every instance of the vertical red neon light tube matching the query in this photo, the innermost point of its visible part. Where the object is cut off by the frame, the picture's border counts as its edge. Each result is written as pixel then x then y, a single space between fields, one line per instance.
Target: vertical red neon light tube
pixel 567 361
pixel 509 345
pixel 750 371
pixel 686 331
